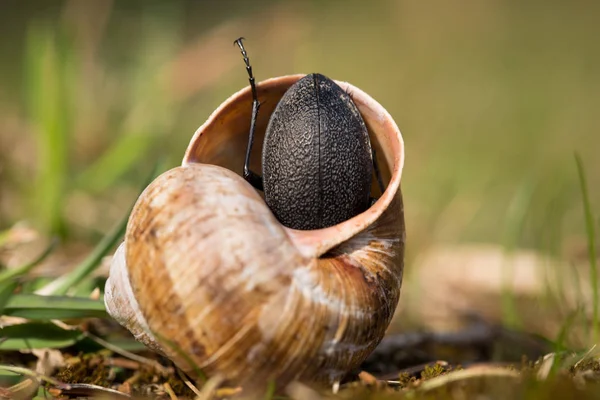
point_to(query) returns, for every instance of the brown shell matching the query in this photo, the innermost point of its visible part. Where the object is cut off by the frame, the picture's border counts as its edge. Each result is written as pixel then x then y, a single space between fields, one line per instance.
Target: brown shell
pixel 224 288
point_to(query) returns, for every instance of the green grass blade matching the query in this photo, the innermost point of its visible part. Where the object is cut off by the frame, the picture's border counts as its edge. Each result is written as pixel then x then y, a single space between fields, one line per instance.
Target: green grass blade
pixel 28 372
pixel 7 290
pixel 580 300
pixel 561 339
pixel 591 236
pixel 37 307
pixel 127 150
pixel 37 335
pixel 270 391
pixel 181 353
pixel 46 98
pixel 516 217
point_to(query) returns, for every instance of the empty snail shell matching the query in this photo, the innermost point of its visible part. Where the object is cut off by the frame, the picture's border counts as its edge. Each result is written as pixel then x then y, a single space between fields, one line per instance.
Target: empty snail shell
pixel 208 277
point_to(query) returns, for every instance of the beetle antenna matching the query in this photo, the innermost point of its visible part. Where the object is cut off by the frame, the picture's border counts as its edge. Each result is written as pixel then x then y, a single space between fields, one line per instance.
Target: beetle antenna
pixel 252 178
pixel 240 44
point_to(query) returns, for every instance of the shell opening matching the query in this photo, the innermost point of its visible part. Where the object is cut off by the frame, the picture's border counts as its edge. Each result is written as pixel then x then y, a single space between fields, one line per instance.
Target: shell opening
pixel 223 138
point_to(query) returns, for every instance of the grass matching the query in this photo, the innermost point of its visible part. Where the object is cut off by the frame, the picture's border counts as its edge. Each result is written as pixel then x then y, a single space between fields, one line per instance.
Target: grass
pixel 591 236
pixel 480 97
pixel 515 222
pixel 47 68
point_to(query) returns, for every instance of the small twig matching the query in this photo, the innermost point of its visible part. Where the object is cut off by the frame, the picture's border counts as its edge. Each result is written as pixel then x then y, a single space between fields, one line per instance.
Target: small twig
pixel 188 383
pixel 169 391
pixel 123 363
pixel 227 392
pixel 133 379
pixel 125 387
pixel 367 378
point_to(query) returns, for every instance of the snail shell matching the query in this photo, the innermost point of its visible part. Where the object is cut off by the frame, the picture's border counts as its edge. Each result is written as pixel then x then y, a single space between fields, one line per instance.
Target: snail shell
pixel 208 277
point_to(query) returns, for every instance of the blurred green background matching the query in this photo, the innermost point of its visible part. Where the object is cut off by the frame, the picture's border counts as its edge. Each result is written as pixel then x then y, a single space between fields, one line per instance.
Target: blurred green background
pixel 493 99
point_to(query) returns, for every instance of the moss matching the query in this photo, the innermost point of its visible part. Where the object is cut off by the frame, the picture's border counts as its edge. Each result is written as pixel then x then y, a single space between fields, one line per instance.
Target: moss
pixel 431 371
pixel 96 369
pixel 589 364
pixel 406 380
pixel 88 368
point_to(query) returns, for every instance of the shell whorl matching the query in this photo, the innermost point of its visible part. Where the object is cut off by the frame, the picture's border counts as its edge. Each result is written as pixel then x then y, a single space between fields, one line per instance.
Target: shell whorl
pixel 215 276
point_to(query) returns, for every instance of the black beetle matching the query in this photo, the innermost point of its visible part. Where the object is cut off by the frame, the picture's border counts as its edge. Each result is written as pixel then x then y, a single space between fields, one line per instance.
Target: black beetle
pixel 317 160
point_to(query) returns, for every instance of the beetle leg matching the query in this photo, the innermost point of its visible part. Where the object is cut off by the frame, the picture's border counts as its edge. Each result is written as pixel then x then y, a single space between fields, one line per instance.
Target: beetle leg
pixel 253 178
pixel 376 170
pixel 372 200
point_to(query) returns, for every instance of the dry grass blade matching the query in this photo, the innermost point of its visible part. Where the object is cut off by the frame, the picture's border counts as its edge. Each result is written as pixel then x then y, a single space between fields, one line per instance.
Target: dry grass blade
pixel 23 389
pixel 21 385
pixel 475 372
pixel 33 374
pixel 546 366
pixel 335 388
pixel 88 390
pixel 227 392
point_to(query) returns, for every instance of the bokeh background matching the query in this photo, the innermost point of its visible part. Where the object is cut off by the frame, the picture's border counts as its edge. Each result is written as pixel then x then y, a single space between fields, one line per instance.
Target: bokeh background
pixel 493 98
